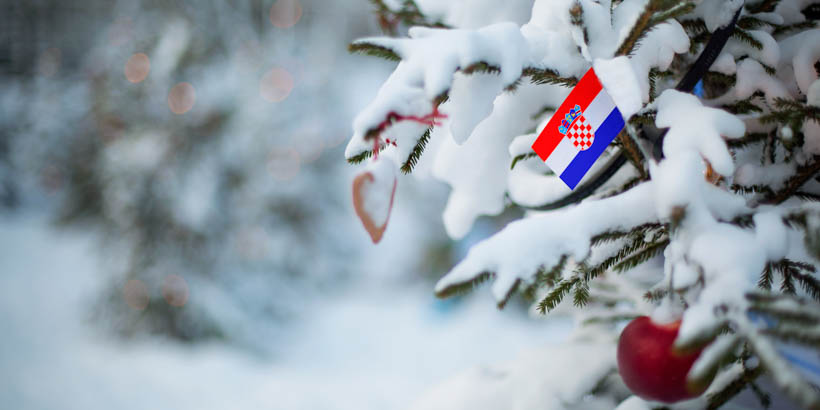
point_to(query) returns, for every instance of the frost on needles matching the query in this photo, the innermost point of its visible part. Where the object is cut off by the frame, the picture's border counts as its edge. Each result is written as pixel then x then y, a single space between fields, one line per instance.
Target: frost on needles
pixel 720 220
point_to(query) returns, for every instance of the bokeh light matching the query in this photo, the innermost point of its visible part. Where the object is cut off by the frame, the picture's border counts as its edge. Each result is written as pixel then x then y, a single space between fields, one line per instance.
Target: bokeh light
pixel 181 98
pixel 137 68
pixel 284 163
pixel 175 290
pixel 135 294
pixel 49 62
pixel 276 85
pixel 285 13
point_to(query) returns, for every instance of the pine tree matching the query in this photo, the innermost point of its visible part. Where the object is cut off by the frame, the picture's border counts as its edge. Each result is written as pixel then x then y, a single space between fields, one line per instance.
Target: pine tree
pixel 704 207
pixel 222 196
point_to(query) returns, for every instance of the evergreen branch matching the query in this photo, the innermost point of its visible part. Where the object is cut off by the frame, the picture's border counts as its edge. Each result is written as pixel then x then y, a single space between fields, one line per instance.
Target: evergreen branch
pixel 785 315
pixel 744 37
pixel 631 183
pixel 809 283
pixel 375 50
pixel 654 295
pixel 510 292
pixel 744 221
pixel 764 398
pixel 418 149
pixel 522 157
pixel 466 286
pixel 576 15
pixel 672 13
pixel 719 398
pixel 742 107
pixel 798 334
pixel 791 271
pixel 785 308
pixel 807 196
pixel 610 236
pixel 791 112
pixel 644 118
pixel 801 26
pixel 650 252
pixel 793 184
pixel 632 152
pixel 695 27
pixel 752 23
pixel 763 6
pixel 481 67
pixel 409 14
pixel 638 31
pixel 557 294
pixel 546 278
pixel 715 80
pixel 787 285
pixel 766 278
pixel 580 297
pixel 751 189
pixel 361 157
pixel 656 12
pixel 636 244
pixel 540 76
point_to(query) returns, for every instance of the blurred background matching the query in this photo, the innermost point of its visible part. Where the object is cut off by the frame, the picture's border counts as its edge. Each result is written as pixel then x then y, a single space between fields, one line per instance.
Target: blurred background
pixel 175 224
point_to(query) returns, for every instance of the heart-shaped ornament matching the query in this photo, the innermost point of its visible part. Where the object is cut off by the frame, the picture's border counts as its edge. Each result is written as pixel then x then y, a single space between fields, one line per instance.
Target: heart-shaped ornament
pixel 373 193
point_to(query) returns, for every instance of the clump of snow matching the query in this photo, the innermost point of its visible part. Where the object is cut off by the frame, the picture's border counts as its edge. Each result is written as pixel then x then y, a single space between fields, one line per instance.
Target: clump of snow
pixel 705 136
pixel 751 77
pixel 769 54
pixel 771 175
pixel 618 78
pixel 791 10
pixel 813 94
pixel 811 133
pixel 725 64
pixel 477 170
pixel 471 101
pixel 522 144
pixel 811 128
pixel 523 246
pixel 717 13
pixel 657 50
pixel 668 311
pixel 430 57
pixel 801 51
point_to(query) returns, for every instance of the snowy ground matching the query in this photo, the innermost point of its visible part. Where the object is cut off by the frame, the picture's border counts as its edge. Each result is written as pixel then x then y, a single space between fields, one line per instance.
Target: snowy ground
pixel 373 348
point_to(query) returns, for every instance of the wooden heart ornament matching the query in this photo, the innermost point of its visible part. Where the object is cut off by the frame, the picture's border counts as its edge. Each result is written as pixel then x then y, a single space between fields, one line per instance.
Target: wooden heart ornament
pixel 373 193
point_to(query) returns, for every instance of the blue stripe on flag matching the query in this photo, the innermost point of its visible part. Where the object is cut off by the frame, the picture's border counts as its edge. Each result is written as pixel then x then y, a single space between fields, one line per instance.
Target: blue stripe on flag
pixel 609 129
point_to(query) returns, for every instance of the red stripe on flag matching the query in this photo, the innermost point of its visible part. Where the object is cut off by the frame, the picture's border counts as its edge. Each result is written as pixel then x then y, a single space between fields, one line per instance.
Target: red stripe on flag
pixel 584 92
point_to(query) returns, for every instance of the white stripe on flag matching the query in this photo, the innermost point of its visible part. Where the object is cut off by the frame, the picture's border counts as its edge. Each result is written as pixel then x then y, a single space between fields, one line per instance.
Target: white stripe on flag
pixel 561 156
pixel 599 109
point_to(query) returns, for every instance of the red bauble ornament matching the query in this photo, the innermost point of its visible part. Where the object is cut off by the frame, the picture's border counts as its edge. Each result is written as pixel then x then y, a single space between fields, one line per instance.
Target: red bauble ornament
pixel 651 367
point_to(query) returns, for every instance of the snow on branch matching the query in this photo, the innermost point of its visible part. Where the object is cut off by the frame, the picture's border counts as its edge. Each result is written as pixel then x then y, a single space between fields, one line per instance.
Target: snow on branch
pixel 429 60
pixel 517 252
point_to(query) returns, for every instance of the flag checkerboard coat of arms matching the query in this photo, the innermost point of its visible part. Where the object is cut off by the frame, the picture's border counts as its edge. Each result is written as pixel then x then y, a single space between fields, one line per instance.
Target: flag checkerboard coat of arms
pixel 579 131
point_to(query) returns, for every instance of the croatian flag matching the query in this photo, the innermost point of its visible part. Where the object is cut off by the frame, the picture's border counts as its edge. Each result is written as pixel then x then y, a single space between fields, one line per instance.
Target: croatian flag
pixel 579 131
